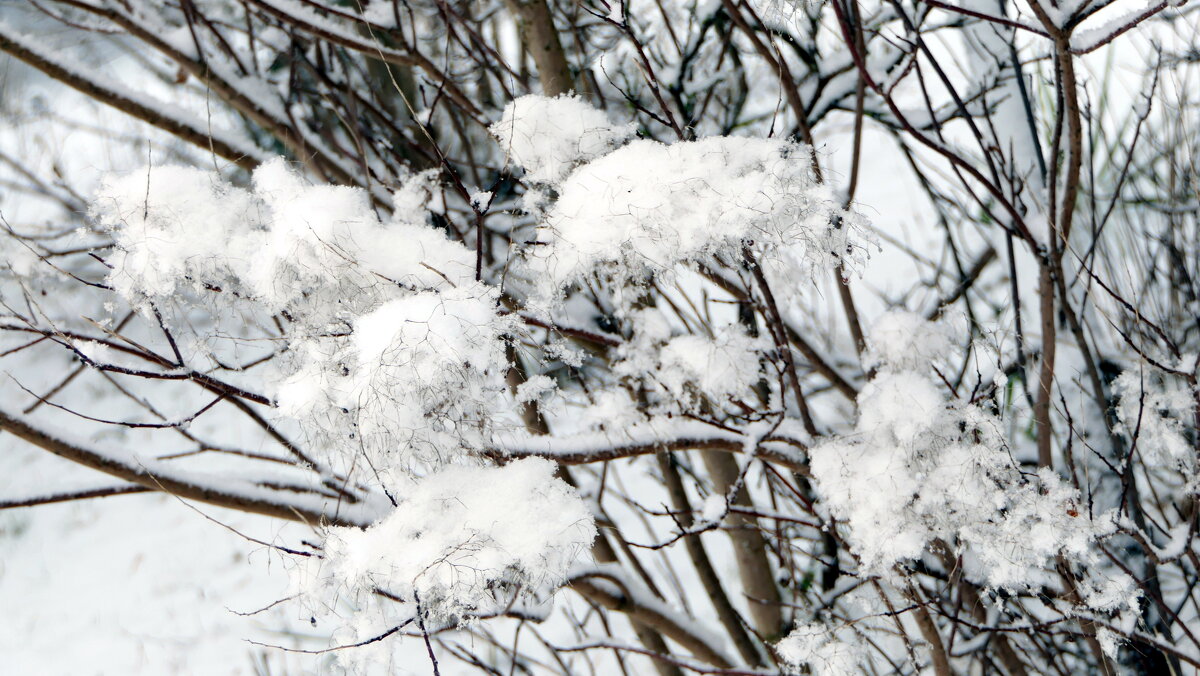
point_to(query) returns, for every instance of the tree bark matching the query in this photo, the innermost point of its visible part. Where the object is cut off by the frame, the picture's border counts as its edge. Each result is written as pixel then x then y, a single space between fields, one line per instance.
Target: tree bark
pixel 540 37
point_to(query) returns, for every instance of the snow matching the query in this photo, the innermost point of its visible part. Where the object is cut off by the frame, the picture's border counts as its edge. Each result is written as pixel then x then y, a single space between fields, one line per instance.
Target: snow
pixel 920 467
pixel 459 537
pixel 391 334
pixel 533 388
pixel 824 651
pixel 643 208
pixel 1156 409
pixel 481 199
pixel 718 367
pixel 618 582
pixel 639 209
pixel 714 508
pixel 178 228
pixel 1105 24
pixel 615 433
pixel 415 380
pixel 690 370
pixel 141 585
pixel 1109 641
pixel 904 339
pixel 549 136
pixel 1180 537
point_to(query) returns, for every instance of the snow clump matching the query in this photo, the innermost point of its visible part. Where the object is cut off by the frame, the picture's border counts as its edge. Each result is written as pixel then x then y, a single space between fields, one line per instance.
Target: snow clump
pixel 462 539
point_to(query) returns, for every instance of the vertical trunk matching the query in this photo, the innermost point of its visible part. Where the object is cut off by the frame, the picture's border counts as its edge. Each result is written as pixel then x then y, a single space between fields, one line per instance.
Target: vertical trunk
pixel 540 37
pixel 703 565
pixel 1042 406
pixel 749 548
pixel 929 631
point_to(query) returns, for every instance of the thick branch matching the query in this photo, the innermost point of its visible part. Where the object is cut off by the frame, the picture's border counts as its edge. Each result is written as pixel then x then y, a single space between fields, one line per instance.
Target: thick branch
pixel 541 39
pixel 229 492
pixel 127 102
pixel 590 585
pixel 585 449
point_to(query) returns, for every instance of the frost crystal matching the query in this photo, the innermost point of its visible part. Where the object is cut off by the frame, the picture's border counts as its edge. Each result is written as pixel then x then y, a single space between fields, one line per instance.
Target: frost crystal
pixel 1152 406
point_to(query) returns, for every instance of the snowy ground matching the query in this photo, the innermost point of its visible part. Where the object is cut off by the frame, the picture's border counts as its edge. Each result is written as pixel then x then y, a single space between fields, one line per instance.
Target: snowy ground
pixel 138 584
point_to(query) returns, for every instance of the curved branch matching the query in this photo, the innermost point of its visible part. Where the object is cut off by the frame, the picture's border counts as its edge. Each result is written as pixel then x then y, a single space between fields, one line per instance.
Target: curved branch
pixel 645 440
pixel 229 492
pixel 140 107
pixel 620 594
pixel 69 496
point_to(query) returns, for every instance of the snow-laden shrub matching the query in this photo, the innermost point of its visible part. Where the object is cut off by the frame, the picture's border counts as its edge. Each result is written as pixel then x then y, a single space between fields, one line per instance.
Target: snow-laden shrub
pixel 920 468
pixel 395 360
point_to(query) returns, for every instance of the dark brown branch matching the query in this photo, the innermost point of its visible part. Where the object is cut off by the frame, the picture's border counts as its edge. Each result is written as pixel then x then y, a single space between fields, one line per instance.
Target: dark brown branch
pixel 68 496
